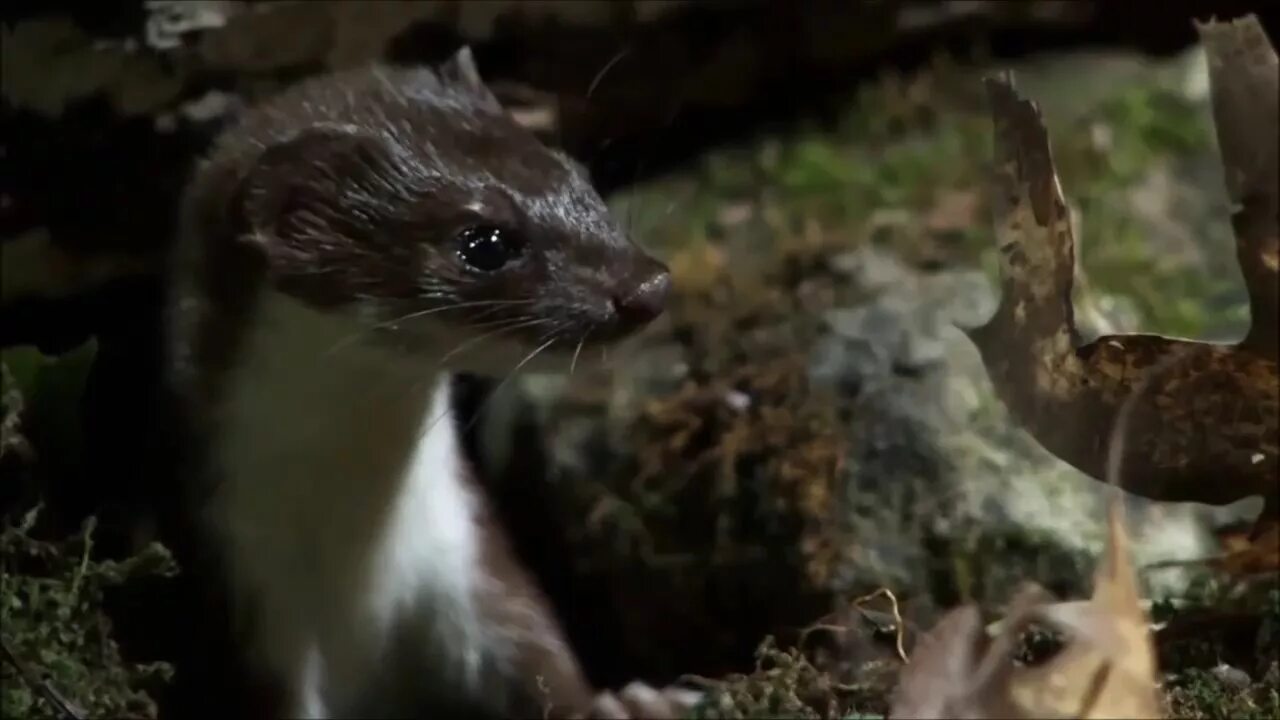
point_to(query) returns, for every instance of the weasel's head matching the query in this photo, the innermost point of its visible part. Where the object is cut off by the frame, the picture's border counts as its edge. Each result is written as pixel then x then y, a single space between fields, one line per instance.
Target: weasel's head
pixel 410 201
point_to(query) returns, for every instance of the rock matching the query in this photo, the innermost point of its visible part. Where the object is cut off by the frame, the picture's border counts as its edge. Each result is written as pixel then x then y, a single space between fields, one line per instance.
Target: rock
pixel 1232 677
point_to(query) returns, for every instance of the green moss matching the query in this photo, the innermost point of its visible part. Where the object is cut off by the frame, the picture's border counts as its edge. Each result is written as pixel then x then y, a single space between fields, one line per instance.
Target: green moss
pixel 51 610
pixel 1147 125
pixel 1130 138
pixel 1203 694
pixel 58 643
pixel 1216 670
pixel 786 684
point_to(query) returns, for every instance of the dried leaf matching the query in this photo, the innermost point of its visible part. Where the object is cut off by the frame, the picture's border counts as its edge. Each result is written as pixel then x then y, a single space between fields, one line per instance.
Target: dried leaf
pixel 1206 426
pixel 1245 84
pixel 1106 669
pixel 1258 553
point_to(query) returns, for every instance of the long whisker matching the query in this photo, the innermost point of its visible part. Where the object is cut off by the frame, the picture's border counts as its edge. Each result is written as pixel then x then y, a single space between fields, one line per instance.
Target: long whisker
pixel 650 151
pixel 499 321
pixel 454 306
pixel 505 328
pixel 381 384
pixel 555 335
pixel 492 310
pixel 574 362
pixel 533 354
pixel 595 81
pixel 417 314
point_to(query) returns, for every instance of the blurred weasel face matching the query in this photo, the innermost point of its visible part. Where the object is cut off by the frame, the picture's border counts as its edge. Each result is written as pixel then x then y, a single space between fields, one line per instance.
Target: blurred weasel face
pixel 411 201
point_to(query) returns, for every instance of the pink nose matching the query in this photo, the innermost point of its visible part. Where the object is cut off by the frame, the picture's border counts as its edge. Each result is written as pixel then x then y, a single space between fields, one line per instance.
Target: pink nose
pixel 645 302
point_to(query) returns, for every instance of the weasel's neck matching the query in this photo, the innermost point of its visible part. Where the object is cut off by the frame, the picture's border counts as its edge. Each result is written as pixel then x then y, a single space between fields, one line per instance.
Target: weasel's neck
pixel 345 505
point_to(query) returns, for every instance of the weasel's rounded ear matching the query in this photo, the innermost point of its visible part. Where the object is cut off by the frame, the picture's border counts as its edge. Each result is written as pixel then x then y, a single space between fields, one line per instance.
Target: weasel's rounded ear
pixel 461 72
pixel 298 186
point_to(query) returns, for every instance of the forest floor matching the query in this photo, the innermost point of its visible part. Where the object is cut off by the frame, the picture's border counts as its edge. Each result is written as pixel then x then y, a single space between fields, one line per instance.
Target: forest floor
pixel 855 249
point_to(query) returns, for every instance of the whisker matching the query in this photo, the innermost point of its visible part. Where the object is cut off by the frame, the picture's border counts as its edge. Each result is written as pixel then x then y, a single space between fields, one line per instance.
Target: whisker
pixel 650 151
pixel 380 384
pixel 574 363
pixel 489 311
pixel 413 315
pixel 595 81
pixel 454 306
pixel 555 335
pixel 533 354
pixel 505 328
pixel 500 321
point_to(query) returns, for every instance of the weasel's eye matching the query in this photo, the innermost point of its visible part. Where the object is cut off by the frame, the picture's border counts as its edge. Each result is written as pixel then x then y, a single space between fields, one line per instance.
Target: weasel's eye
pixel 488 248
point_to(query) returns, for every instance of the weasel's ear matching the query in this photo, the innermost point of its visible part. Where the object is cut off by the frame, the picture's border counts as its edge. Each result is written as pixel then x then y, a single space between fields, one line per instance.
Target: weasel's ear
pixel 461 72
pixel 302 185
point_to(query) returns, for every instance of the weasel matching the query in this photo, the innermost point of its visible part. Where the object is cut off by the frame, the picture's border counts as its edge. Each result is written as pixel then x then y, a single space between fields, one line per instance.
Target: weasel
pixel 344 248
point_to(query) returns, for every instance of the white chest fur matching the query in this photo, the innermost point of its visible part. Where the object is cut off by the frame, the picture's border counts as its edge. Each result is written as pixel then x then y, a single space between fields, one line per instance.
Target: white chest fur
pixel 344 514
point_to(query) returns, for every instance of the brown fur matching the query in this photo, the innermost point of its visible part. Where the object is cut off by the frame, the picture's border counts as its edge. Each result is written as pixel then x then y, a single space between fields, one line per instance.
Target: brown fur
pixel 348 193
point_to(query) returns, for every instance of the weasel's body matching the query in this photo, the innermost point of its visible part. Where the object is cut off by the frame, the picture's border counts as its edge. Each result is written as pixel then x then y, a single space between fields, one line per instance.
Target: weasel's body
pixel 354 521
pixel 346 248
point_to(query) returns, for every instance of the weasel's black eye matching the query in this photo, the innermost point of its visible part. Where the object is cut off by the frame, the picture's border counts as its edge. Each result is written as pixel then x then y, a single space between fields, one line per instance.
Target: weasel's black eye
pixel 488 248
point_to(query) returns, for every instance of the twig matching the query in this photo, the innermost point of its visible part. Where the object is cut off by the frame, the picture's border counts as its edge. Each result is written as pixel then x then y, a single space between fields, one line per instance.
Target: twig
pixel 857 603
pixel 897 618
pixel 1181 563
pixel 64 707
pixel 700 681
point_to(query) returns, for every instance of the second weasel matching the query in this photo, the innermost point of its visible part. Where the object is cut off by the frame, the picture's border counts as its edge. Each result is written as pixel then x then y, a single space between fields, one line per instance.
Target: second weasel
pixel 345 247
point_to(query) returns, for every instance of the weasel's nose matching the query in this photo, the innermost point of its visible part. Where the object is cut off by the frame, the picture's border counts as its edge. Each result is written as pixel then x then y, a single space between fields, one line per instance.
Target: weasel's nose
pixel 645 302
